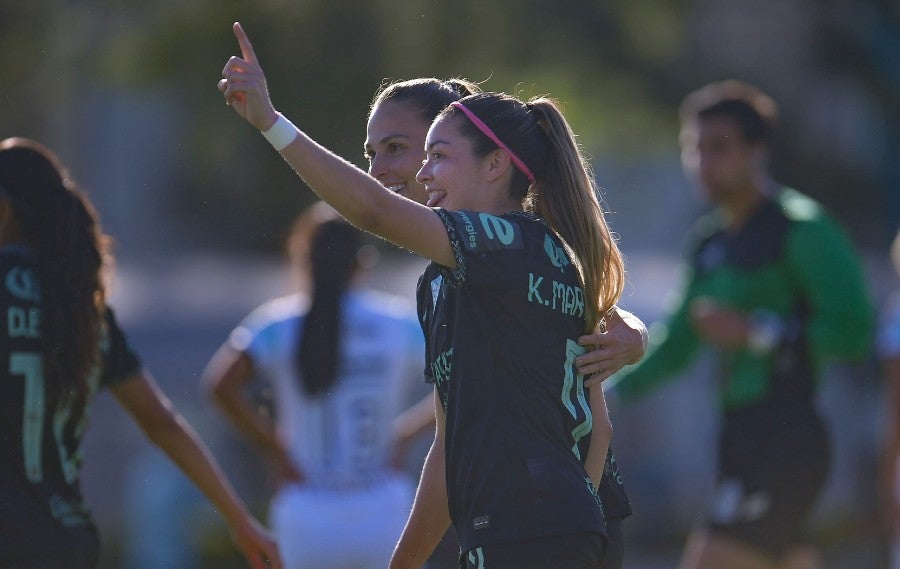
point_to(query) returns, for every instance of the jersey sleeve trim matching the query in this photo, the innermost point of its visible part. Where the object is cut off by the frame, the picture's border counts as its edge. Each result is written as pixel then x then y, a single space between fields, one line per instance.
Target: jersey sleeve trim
pixel 458 276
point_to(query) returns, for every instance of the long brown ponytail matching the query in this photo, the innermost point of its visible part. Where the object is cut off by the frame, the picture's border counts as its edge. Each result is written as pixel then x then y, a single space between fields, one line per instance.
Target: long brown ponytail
pixel 563 194
pixel 568 201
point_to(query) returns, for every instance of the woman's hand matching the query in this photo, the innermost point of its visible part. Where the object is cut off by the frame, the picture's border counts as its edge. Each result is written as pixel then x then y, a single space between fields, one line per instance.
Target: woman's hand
pixel 623 343
pixel 244 85
pixel 284 469
pixel 256 545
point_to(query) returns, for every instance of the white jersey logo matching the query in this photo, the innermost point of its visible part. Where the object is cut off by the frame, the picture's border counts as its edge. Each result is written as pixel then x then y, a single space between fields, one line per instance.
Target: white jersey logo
pixel 436 290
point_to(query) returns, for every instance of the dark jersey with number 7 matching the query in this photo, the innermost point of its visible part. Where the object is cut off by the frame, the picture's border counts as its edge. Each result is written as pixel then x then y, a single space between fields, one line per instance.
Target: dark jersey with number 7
pixel 40 433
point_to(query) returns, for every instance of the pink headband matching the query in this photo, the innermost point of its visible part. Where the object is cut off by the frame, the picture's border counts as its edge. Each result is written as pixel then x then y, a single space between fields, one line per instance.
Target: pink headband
pixel 479 124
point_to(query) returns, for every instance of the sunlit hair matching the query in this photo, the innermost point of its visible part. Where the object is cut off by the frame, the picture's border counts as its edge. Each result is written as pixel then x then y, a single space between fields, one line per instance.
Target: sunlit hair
pixel 564 193
pixel 59 226
pixel 332 248
pixel 755 113
pixel 427 95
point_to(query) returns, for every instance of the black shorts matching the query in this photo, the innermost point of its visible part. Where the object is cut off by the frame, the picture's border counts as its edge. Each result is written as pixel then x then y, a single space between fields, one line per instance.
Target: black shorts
pixel 615 545
pixel 570 551
pixel 32 538
pixel 773 464
pixel 56 547
pixel 613 496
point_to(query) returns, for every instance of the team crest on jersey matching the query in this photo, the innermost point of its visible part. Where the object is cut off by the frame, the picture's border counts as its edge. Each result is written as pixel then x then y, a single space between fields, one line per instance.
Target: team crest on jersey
pixel 557 254
pixel 436 290
pixel 22 283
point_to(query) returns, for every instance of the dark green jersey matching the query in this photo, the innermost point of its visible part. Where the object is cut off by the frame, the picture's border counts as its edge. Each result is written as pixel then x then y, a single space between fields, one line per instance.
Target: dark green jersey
pixel 790 259
pixel 40 431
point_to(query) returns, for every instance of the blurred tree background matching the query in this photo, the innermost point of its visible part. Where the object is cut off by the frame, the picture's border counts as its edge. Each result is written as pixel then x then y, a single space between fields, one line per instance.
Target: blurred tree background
pixel 125 92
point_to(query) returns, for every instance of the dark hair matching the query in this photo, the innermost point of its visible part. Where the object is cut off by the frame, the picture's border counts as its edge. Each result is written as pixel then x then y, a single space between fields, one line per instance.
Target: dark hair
pixel 59 225
pixel 428 95
pixel 563 194
pixel 333 249
pixel 755 113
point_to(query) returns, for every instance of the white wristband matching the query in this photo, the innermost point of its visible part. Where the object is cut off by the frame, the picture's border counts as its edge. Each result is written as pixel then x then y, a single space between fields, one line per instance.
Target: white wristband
pixel 282 133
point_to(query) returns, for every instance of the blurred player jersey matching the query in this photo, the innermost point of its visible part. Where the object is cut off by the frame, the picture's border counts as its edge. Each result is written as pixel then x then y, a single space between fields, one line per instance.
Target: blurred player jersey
pixel 341 439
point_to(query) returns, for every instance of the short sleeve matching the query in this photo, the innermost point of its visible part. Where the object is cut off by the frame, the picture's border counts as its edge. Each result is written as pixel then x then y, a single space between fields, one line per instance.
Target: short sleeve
pixel 474 236
pixel 120 362
pixel 250 338
pixel 259 333
pixel 241 338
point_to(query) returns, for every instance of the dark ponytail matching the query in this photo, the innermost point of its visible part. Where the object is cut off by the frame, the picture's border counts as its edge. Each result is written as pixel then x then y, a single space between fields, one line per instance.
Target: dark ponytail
pixel 334 246
pixel 570 203
pixel 563 193
pixel 59 225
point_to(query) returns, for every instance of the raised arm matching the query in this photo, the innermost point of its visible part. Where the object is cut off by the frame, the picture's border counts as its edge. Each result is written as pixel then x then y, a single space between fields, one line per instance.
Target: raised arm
pixel 353 193
pixel 168 430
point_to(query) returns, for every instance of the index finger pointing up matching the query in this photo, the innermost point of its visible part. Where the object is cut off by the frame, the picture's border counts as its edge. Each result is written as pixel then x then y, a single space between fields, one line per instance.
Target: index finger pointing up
pixel 243 41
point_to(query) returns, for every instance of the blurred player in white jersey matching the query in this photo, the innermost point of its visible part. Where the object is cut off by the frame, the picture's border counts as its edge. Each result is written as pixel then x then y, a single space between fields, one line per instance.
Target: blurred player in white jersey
pixel 340 364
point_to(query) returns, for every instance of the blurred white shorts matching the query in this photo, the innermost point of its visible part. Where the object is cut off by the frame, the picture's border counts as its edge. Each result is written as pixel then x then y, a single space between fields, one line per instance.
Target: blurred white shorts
pixel 340 529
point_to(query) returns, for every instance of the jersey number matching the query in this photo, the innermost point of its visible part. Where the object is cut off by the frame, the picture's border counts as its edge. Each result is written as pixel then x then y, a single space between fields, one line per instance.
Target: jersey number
pixel 573 396
pixel 31 367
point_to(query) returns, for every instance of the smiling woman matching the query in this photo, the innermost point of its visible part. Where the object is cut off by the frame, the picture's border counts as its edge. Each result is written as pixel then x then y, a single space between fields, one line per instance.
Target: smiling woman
pixel 399 118
pixel 524 445
pixel 398 121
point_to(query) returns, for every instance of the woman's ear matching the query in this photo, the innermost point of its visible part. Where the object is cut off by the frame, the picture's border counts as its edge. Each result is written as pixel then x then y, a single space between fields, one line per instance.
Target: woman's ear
pixel 497 164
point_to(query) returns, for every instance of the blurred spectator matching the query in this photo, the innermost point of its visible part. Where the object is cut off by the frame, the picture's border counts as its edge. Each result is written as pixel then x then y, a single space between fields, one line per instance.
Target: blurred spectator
pixel 772 285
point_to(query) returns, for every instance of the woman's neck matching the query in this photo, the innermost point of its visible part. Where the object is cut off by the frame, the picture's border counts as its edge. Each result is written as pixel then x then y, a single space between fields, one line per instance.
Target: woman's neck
pixel 501 206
